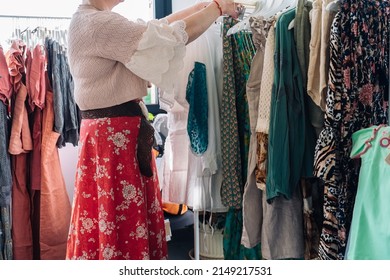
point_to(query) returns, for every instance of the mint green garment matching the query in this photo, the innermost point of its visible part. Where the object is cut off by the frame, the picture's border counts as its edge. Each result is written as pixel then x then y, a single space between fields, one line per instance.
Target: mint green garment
pixel 369 237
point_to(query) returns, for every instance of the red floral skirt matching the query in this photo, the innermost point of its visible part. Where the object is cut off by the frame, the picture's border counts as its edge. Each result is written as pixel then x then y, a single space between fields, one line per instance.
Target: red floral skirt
pixel 117 212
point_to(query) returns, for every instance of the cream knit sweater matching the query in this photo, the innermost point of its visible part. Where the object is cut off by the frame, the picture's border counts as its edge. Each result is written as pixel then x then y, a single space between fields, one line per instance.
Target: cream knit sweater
pixel 111 58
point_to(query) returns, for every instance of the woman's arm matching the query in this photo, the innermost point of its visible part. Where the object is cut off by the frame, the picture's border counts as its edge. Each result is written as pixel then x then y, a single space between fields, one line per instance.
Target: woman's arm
pixel 180 15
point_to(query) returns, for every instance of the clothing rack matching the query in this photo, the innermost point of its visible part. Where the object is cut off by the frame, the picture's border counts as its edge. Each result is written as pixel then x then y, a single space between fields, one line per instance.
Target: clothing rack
pixel 33 17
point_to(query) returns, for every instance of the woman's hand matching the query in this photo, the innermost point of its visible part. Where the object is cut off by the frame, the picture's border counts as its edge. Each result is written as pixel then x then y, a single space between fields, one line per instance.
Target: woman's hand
pixel 228 7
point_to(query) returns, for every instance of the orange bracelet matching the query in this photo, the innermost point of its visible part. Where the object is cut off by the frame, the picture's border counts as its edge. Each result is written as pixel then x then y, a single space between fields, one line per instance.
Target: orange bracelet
pixel 219 7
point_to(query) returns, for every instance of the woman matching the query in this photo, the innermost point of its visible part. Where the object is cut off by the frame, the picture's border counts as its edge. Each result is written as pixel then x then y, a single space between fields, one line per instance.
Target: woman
pixel 117 206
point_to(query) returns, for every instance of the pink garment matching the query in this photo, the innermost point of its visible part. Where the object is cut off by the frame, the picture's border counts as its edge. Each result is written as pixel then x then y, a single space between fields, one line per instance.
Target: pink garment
pixel 36 80
pixel 20 139
pixel 21 209
pixel 15 62
pixel 5 79
pixel 55 209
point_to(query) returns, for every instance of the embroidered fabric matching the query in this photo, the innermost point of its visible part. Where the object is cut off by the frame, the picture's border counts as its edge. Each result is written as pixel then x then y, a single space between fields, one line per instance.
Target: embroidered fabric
pixel 163 46
pixel 197 126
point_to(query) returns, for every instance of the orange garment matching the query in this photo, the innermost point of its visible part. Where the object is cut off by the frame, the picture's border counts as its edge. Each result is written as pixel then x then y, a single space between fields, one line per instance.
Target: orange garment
pixel 5 80
pixel 21 209
pixel 55 207
pixel 37 81
pixel 20 139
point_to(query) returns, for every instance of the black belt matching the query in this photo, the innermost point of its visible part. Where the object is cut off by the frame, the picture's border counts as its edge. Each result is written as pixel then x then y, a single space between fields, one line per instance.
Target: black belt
pixel 145 140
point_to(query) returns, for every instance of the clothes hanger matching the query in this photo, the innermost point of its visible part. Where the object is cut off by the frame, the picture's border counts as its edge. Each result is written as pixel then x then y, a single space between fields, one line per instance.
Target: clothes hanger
pixel 291 25
pixel 280 5
pixel 244 23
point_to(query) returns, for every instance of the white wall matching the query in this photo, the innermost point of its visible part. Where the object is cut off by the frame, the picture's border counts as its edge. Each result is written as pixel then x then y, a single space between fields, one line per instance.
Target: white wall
pixel 178 5
pixel 65 8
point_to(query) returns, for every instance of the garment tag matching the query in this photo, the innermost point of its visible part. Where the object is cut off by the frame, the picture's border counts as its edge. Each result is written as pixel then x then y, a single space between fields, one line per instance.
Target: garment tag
pixel 388 159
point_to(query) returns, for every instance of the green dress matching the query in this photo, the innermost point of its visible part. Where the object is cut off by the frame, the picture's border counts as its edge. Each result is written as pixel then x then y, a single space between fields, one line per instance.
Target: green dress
pixel 370 230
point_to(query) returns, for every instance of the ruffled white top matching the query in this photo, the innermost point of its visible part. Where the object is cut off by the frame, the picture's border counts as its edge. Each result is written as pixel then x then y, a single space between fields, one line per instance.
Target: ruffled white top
pixel 112 58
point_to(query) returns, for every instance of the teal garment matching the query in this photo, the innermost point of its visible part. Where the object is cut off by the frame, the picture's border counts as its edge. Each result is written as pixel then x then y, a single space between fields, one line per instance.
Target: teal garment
pixel 232 248
pixel 289 133
pixel 196 96
pixel 238 52
pixel 243 53
pixel 369 237
pixel 237 57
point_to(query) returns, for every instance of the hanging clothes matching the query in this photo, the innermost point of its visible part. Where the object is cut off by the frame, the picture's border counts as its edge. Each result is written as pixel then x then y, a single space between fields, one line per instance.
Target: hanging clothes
pixel 20 144
pixel 195 180
pixel 290 136
pixel 232 187
pixel 205 181
pixel 67 116
pixel 238 52
pixel 355 100
pixel 262 125
pixel 305 39
pixel 252 198
pixel 318 72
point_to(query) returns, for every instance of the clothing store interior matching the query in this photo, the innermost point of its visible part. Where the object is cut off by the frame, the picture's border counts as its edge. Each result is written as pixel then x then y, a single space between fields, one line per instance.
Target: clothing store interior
pixel 274 144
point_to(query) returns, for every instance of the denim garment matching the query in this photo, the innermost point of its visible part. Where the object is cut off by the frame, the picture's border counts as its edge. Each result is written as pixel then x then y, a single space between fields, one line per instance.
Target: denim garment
pixel 72 122
pixel 5 186
pixel 67 120
pixel 5 161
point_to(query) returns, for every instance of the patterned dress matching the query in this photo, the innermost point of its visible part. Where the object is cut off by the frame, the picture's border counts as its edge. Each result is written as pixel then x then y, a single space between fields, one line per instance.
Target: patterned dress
pixel 356 99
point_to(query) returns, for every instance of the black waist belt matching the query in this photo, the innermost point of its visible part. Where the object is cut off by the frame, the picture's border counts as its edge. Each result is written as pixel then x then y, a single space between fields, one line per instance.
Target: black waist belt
pixel 145 140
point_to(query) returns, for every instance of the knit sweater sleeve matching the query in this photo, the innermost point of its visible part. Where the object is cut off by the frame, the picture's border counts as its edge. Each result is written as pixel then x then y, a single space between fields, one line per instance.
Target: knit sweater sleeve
pixel 116 37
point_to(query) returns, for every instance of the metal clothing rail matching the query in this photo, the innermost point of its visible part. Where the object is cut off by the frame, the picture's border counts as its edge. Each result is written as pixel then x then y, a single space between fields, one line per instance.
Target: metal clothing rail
pixel 34 17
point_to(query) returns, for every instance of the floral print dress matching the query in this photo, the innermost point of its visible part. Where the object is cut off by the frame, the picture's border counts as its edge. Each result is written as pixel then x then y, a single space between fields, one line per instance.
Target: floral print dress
pixel 356 99
pixel 119 213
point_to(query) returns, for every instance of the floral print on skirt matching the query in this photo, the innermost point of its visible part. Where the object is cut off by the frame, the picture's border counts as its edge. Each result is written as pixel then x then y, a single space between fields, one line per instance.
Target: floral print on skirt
pixel 117 212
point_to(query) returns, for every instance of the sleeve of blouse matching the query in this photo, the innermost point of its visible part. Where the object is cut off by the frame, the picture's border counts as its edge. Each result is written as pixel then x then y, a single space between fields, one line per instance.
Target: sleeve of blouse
pixel 361 141
pixel 160 53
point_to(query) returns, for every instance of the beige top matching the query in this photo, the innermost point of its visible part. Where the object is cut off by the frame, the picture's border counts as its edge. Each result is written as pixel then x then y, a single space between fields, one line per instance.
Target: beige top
pixel 267 80
pixel 321 21
pixel 111 58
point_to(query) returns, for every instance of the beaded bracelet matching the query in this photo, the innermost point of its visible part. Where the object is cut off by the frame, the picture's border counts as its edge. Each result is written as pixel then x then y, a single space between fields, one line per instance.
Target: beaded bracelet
pixel 219 7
